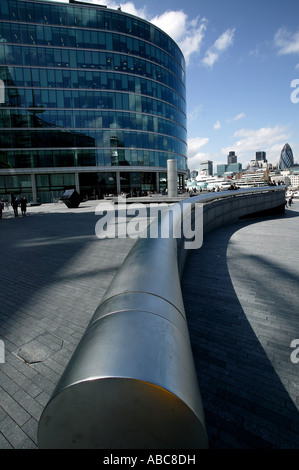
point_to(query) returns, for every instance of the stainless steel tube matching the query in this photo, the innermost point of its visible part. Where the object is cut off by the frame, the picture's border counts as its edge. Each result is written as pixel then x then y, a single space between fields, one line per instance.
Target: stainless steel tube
pixel 131 382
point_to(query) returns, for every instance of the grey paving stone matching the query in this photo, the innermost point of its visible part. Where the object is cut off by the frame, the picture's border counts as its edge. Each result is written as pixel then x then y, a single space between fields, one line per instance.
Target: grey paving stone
pixel 241 301
pixel 55 273
pixel 16 437
pixel 13 408
pixel 257 382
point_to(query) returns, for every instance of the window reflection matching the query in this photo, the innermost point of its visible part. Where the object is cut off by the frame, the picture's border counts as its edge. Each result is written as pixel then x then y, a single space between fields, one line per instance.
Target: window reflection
pixel 64 37
pixel 89 94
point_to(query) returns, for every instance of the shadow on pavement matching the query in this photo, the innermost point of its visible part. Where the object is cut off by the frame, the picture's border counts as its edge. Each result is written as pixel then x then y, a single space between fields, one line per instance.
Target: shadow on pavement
pixel 246 403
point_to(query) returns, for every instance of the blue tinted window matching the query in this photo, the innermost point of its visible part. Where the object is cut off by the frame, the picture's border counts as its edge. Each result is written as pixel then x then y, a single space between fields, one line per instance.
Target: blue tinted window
pixel 90 104
pixel 4 9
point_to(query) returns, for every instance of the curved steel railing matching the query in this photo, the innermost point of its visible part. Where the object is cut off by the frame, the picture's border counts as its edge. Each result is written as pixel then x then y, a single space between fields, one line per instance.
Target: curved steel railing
pixel 131 382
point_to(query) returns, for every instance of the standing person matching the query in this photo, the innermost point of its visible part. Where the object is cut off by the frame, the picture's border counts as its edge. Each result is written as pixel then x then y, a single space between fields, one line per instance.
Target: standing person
pixel 14 203
pixel 1 208
pixel 23 205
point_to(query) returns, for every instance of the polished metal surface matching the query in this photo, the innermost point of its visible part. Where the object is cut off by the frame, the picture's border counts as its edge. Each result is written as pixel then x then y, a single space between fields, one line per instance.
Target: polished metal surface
pixel 131 382
pixel 172 178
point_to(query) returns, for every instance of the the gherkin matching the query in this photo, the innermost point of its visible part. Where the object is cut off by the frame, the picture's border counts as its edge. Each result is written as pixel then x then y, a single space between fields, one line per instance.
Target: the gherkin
pixel 286 158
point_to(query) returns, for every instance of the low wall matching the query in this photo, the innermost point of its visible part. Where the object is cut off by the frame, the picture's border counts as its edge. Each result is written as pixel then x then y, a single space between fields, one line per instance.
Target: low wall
pixel 131 382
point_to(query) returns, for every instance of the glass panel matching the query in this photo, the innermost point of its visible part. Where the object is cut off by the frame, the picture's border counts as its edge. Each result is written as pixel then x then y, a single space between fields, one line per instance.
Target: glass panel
pixel 35 78
pixel 57 57
pixel 62 15
pixel 85 17
pixel 71 38
pixel 42 181
pixel 4 9
pixel 77 16
pixel 73 59
pixel 65 58
pixel 54 14
pixel 56 180
pixel 95 59
pixel 87 39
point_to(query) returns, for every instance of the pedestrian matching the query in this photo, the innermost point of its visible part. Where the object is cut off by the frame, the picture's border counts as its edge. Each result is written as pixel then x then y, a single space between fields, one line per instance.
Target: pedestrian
pixel 15 204
pixel 23 205
pixel 1 208
pixel 290 202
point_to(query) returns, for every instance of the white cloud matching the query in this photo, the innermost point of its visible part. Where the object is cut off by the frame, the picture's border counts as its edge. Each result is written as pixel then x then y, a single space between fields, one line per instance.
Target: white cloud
pixel 188 34
pixel 220 45
pixel 249 141
pixel 217 125
pixel 239 116
pixel 286 42
pixel 210 58
pixel 193 115
pixel 225 40
pixel 193 39
pixel 128 7
pixel 172 22
pixel 195 154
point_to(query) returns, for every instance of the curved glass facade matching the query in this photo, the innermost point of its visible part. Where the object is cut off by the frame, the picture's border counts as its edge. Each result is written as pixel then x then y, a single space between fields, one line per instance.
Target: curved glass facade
pixel 87 88
pixel 286 158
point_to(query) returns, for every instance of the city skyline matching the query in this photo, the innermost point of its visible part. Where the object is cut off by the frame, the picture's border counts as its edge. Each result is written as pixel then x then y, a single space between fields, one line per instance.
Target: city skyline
pixel 242 73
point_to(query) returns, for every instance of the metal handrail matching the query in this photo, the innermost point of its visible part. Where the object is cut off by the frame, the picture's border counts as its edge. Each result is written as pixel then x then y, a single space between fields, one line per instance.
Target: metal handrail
pixel 131 382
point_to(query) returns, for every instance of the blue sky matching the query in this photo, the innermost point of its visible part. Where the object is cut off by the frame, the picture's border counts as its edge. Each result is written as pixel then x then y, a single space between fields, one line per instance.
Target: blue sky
pixel 242 58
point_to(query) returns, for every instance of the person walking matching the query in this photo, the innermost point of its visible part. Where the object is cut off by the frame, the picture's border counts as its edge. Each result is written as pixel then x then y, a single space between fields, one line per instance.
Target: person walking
pixel 23 204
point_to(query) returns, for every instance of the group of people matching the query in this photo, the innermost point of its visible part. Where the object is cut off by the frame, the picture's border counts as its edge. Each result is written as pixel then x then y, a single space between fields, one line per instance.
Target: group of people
pixel 15 205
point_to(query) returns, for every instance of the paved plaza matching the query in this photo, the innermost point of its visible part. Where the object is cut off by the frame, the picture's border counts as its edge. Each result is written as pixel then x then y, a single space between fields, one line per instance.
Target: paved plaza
pixel 54 272
pixel 242 303
pixel 241 297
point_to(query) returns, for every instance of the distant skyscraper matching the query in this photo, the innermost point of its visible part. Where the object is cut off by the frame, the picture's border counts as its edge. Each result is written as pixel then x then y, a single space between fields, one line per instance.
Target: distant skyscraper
pixel 234 168
pixel 207 166
pixel 260 156
pixel 221 169
pixel 286 158
pixel 231 158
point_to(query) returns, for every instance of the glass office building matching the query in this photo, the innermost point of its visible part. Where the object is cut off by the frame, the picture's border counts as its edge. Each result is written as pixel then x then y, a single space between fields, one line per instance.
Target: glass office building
pixel 90 98
pixel 286 158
